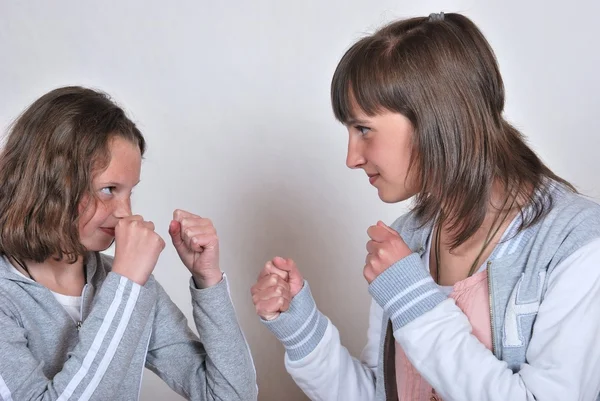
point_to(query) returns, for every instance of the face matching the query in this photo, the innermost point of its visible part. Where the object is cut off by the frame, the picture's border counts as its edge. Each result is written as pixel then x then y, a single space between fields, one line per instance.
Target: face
pixel 113 188
pixel 381 145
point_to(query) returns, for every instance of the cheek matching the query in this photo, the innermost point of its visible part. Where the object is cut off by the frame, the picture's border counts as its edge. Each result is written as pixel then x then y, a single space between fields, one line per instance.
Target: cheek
pixel 86 212
pixel 402 153
pixel 389 160
pixel 92 215
pixel 393 162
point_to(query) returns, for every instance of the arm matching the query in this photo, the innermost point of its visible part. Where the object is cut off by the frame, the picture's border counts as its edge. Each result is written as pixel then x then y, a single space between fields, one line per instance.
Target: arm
pixel 315 357
pixel 220 368
pixel 217 367
pixel 563 356
pixel 114 327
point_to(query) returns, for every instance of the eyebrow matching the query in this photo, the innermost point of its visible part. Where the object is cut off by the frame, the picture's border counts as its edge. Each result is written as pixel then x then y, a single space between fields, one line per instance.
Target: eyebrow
pixel 355 121
pixel 116 184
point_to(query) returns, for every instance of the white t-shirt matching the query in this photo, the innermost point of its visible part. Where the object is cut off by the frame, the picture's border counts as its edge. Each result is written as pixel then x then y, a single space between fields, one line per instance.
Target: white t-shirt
pixel 71 304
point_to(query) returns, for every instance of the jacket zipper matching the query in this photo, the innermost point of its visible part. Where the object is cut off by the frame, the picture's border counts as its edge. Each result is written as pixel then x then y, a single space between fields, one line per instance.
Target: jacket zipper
pixel 80 322
pixel 489 265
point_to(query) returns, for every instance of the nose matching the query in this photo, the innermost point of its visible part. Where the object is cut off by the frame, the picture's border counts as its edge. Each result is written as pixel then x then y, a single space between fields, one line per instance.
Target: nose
pixel 355 158
pixel 123 208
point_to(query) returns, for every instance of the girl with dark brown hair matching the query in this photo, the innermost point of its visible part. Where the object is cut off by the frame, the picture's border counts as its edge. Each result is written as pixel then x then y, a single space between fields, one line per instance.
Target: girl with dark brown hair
pixel 489 288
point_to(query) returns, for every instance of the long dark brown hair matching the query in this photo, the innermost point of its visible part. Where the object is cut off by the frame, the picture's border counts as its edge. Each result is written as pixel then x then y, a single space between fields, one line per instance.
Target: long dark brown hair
pixel 51 154
pixel 441 73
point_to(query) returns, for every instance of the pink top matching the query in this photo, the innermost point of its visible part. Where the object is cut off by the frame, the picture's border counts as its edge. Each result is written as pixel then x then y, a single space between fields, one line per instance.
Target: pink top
pixel 472 297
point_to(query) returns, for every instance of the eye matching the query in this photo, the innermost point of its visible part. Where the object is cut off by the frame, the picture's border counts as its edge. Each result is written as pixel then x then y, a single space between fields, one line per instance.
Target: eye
pixel 362 129
pixel 107 190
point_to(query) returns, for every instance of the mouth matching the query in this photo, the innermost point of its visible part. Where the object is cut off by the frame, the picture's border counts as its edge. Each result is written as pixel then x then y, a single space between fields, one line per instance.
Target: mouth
pixel 373 178
pixel 108 231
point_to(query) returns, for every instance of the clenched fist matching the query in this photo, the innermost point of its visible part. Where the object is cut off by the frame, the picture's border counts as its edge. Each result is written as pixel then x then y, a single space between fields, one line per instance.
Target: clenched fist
pixel 385 248
pixel 137 247
pixel 195 239
pixel 277 284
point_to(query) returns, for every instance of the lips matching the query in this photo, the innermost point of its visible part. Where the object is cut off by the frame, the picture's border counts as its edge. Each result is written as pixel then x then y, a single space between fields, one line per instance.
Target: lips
pixel 373 178
pixel 108 231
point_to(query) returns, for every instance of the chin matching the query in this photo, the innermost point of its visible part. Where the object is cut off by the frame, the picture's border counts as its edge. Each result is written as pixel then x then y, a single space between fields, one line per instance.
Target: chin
pixel 391 200
pixel 394 198
pixel 98 246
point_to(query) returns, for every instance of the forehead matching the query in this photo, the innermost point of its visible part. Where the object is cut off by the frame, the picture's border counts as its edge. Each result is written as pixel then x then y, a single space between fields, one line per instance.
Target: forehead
pixel 125 160
pixel 355 113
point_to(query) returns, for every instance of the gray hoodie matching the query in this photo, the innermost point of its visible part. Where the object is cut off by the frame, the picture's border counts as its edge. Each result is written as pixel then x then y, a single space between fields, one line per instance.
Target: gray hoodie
pixel 124 327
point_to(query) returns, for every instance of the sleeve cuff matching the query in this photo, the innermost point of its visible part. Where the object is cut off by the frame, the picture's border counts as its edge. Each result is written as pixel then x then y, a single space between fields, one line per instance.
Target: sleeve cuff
pixel 217 291
pixel 406 291
pixel 301 327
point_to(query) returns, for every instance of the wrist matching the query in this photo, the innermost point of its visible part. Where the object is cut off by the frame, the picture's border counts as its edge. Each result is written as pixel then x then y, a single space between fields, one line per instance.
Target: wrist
pixel 134 275
pixel 208 279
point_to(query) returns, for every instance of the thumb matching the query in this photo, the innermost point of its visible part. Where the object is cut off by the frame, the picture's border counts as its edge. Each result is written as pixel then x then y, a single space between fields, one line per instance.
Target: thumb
pixel 271 269
pixel 389 229
pixel 175 232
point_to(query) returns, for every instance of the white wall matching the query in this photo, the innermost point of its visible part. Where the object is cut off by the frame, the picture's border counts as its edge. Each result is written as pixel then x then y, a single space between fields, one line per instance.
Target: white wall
pixel 233 98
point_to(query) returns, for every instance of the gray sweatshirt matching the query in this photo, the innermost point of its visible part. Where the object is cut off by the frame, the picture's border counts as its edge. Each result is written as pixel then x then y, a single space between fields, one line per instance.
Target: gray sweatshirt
pixel 124 327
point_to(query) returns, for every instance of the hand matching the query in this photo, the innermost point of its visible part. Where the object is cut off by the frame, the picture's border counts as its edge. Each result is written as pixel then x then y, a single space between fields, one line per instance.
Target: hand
pixel 278 283
pixel 137 247
pixel 385 248
pixel 197 244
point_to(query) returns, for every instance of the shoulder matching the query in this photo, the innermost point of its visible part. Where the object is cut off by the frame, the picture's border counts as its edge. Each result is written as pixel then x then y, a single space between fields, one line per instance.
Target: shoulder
pixel 412 230
pixel 572 222
pixel 7 296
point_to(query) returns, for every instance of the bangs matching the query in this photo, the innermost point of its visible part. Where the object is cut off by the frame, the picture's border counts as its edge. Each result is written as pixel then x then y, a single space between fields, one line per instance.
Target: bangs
pixel 371 78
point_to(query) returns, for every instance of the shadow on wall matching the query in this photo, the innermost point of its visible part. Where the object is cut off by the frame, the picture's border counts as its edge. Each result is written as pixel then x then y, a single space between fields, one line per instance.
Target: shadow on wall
pixel 307 225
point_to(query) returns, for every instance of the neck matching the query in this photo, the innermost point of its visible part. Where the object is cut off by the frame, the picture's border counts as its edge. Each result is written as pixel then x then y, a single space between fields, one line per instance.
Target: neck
pixel 500 212
pixel 452 265
pixel 57 275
